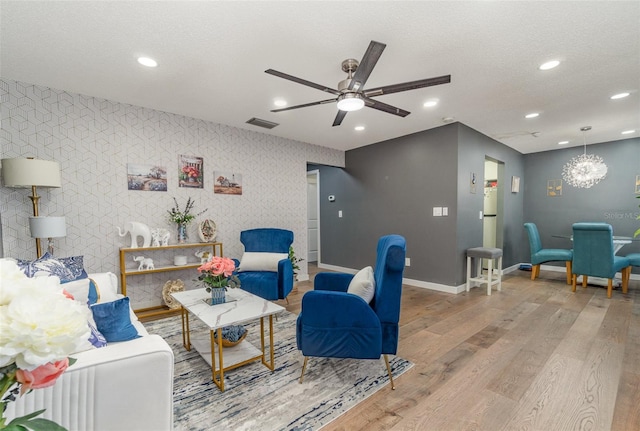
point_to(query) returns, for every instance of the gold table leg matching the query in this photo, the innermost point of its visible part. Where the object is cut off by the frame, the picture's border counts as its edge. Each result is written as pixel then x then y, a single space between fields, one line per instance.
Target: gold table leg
pixel 272 363
pixel 219 383
pixel 186 336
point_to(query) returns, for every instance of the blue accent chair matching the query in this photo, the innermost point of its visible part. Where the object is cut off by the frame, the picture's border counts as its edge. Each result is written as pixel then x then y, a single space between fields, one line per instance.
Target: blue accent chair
pixel 334 323
pixel 593 255
pixel 269 285
pixel 541 255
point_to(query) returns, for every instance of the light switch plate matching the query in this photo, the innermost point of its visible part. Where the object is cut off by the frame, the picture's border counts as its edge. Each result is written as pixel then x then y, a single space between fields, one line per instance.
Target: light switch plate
pixel 437 211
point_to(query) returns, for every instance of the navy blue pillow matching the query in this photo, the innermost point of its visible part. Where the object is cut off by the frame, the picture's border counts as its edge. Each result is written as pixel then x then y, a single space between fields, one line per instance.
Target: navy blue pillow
pixel 113 320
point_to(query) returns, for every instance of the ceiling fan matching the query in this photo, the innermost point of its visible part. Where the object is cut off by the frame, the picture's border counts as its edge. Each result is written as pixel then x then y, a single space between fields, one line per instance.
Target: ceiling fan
pixel 351 92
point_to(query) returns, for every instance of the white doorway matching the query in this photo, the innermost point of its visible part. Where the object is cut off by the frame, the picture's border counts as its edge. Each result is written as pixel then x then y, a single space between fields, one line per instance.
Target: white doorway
pixel 313 216
pixel 492 220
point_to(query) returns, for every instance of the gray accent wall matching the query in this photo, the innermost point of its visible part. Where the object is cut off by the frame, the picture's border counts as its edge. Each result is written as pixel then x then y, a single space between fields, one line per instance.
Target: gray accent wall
pixel 611 201
pixel 392 187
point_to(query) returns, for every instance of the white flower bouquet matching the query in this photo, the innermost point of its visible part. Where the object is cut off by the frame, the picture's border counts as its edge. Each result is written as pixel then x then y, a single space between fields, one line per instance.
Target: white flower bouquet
pixel 40 326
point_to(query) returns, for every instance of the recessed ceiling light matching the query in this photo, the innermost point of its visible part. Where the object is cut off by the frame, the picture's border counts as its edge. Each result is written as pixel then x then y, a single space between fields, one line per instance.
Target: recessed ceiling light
pixel 146 61
pixel 628 132
pixel 280 103
pixel 430 103
pixel 619 96
pixel 549 65
pixel 359 128
pixel 563 142
pixel 532 115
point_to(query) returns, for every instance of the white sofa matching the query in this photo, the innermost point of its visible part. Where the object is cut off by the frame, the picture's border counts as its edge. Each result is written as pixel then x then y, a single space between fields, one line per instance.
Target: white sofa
pixel 123 386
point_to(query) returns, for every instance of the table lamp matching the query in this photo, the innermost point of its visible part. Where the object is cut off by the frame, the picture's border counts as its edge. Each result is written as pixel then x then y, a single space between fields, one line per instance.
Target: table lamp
pixel 30 172
pixel 48 227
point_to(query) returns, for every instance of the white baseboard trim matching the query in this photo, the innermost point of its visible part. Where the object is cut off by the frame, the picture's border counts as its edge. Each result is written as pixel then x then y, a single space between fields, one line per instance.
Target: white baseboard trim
pixel 564 270
pixel 419 283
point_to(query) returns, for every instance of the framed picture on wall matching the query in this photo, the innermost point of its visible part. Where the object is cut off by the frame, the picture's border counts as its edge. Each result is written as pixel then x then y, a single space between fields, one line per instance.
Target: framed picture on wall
pixel 190 172
pixel 554 188
pixel 227 183
pixel 638 184
pixel 147 178
pixel 515 184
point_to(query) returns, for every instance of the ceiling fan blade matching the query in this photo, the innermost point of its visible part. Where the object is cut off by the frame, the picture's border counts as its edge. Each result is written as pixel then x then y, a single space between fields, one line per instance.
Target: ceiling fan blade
pixel 302 81
pixel 376 104
pixel 412 85
pixel 288 108
pixel 339 117
pixel 368 62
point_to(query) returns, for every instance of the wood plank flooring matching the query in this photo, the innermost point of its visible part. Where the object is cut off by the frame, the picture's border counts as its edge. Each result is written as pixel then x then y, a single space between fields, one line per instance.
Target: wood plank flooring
pixel 533 357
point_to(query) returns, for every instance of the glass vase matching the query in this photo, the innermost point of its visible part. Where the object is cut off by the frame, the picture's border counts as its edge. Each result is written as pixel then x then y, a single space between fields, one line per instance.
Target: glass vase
pixel 218 295
pixel 182 233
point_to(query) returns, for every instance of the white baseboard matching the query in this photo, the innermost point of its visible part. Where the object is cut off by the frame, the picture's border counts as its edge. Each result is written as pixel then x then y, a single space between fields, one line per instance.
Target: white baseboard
pixel 564 270
pixel 419 283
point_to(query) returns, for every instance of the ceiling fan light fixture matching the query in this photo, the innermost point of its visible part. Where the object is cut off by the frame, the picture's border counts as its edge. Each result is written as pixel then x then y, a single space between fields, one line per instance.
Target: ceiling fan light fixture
pixel 350 102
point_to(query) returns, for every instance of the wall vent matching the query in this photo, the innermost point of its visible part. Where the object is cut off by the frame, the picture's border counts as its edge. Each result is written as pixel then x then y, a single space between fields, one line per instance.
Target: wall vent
pixel 262 123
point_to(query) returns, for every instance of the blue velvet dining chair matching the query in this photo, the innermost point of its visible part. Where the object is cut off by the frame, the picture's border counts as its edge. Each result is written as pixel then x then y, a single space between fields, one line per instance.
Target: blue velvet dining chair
pixel 593 256
pixel 541 255
pixel 265 269
pixel 338 324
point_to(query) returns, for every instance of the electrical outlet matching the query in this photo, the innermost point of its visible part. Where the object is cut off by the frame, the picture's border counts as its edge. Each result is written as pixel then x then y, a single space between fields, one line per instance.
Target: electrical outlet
pixel 407 261
pixel 340 214
pixel 445 211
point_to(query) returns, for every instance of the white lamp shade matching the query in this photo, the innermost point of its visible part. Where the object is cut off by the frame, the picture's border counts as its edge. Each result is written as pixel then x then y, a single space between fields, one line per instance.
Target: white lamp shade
pixel 30 172
pixel 47 227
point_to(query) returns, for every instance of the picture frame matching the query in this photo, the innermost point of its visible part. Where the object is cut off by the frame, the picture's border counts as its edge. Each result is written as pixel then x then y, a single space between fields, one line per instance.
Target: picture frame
pixel 227 183
pixel 190 172
pixel 554 188
pixel 146 177
pixel 515 184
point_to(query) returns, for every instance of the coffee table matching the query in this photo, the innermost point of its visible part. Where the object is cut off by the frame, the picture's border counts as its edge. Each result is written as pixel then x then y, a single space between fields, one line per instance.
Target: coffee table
pixel 241 307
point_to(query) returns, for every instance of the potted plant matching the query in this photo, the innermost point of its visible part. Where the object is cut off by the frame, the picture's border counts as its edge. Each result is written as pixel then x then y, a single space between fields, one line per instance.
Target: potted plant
pixel 294 262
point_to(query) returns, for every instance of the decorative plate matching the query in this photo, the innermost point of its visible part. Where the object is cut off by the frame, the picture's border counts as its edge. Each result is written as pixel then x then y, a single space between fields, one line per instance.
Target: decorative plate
pixel 170 287
pixel 207 230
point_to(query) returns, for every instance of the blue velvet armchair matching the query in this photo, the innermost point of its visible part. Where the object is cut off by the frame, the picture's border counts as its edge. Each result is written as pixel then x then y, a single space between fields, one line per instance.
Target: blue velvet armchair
pixel 268 284
pixel 593 255
pixel 337 324
pixel 541 255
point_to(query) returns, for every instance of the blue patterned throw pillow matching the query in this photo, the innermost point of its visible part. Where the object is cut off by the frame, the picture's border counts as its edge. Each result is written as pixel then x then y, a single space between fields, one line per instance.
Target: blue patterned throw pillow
pixel 65 268
pixel 45 266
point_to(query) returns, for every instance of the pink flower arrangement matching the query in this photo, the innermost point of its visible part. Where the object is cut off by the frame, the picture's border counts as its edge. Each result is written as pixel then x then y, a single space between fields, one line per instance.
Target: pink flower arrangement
pixel 41 377
pixel 218 272
pixel 190 171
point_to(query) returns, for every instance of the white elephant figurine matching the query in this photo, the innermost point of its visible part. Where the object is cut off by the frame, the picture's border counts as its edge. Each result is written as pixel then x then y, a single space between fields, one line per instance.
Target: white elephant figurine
pixel 136 229
pixel 145 263
pixel 160 237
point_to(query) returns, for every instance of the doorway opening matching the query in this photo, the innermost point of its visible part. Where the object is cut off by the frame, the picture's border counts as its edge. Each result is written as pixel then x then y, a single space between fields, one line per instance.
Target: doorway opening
pixel 313 216
pixel 493 213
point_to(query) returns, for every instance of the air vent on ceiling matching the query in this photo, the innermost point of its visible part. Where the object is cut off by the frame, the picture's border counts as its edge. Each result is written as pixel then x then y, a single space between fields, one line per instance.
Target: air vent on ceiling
pixel 262 123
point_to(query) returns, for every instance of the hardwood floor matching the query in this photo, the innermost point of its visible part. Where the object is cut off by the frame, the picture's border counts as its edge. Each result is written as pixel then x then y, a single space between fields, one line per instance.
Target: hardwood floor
pixel 533 357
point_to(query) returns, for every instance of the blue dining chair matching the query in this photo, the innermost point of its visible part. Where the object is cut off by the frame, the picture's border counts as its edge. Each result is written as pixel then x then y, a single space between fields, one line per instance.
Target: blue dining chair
pixel 541 255
pixel 337 324
pixel 593 256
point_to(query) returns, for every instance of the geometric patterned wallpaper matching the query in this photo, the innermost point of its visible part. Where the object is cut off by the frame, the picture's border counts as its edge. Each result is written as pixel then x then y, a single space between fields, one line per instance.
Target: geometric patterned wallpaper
pixel 94 139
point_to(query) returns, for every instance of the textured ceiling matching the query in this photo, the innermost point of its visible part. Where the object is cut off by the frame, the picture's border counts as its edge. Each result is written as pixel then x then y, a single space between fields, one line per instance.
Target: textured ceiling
pixel 212 57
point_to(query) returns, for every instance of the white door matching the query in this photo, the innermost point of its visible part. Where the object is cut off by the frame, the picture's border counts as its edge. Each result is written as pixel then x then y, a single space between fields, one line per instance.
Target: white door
pixel 313 225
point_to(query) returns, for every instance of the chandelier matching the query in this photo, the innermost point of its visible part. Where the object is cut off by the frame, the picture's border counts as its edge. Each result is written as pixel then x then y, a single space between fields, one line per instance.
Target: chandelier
pixel 586 170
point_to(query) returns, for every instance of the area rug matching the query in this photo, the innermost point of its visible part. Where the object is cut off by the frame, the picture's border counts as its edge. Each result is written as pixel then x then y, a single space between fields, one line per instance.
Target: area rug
pixel 256 398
